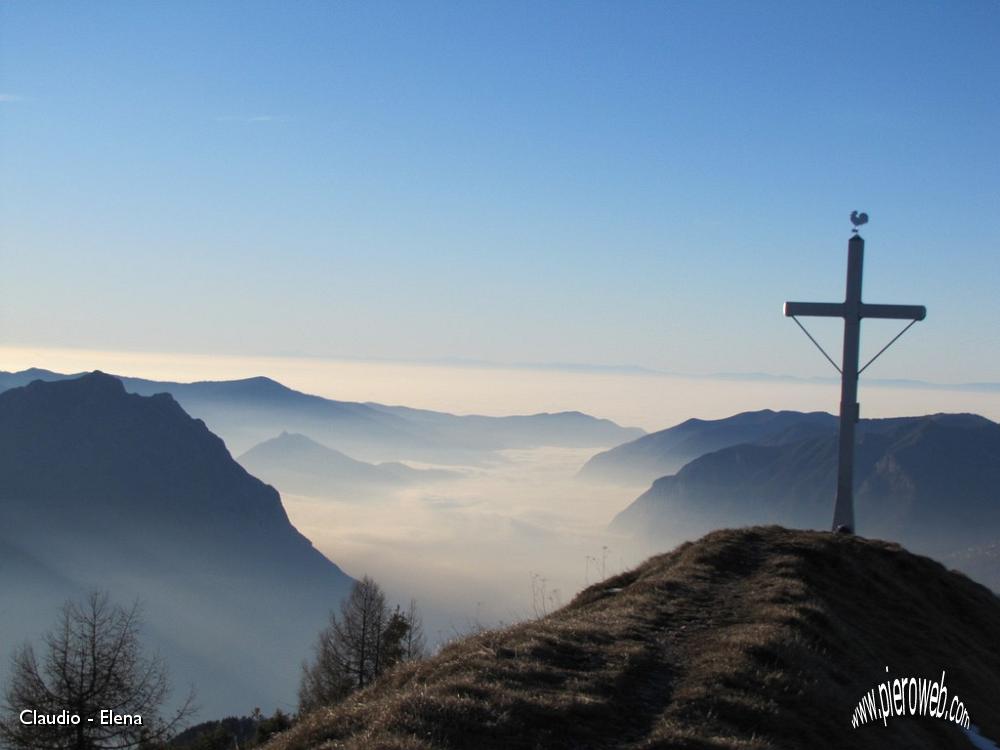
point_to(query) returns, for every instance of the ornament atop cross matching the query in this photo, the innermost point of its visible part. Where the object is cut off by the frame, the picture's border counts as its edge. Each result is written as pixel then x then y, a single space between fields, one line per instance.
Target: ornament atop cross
pixel 852 310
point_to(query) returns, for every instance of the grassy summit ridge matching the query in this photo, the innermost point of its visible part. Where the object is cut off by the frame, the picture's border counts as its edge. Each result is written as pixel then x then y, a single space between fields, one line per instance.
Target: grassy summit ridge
pixel 754 638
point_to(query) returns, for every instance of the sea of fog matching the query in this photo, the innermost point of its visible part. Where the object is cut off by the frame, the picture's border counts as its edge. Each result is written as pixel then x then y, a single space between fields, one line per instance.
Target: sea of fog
pixel 508 540
pixel 517 536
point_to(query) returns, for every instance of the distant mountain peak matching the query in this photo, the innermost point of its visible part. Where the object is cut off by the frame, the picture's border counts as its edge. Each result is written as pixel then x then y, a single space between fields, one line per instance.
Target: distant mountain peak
pixel 94 381
pixel 259 385
pixel 263 381
pixel 38 372
pixel 300 465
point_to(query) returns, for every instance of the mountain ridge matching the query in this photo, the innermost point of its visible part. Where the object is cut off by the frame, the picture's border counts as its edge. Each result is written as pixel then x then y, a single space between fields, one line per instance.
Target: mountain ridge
pixel 928 481
pixel 760 638
pixel 666 451
pixel 300 465
pixel 249 411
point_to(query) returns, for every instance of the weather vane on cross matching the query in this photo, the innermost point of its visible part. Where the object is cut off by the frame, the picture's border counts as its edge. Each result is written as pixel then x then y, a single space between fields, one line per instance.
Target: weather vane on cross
pixel 857 219
pixel 852 310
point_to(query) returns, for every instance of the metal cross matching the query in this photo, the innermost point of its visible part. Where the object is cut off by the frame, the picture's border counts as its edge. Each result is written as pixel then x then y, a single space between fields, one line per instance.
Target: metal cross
pixel 852 310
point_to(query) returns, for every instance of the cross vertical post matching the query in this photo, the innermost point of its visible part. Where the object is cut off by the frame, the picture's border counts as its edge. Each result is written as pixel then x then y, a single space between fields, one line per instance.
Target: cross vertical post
pixel 852 310
pixel 850 410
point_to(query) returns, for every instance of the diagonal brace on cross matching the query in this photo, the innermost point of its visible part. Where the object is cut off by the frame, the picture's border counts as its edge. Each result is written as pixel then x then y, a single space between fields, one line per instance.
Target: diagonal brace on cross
pixel 852 310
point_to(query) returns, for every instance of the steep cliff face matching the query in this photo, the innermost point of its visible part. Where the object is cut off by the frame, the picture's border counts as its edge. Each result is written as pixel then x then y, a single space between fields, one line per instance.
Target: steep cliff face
pixel 102 489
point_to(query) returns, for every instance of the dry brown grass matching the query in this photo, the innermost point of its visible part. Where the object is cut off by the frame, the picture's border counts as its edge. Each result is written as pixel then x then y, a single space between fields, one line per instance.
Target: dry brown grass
pixel 751 639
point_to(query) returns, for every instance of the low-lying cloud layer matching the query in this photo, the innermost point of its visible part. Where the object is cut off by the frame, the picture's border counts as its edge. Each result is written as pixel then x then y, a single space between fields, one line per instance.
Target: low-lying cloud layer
pixel 504 542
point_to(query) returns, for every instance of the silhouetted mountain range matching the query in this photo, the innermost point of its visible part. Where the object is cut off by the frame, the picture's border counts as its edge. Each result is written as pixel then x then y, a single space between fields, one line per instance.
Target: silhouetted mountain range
pixel 247 412
pixel 932 483
pixel 665 452
pixel 102 489
pixel 296 464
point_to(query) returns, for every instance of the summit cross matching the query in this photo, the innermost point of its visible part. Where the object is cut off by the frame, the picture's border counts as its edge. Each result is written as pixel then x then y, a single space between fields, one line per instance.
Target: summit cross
pixel 852 310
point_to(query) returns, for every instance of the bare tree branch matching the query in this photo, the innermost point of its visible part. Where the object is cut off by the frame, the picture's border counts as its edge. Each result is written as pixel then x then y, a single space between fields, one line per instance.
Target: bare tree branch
pixel 94 662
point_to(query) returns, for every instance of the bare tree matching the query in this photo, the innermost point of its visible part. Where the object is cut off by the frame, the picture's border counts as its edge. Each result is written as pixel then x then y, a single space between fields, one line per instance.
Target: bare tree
pixel 326 680
pixel 360 643
pixel 359 630
pixel 415 643
pixel 93 670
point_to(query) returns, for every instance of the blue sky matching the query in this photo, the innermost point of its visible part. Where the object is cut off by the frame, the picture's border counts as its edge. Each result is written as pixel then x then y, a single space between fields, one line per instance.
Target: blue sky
pixel 608 183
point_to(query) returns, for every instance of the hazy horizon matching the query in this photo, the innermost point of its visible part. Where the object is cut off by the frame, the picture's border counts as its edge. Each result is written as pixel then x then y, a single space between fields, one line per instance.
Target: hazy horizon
pixel 634 399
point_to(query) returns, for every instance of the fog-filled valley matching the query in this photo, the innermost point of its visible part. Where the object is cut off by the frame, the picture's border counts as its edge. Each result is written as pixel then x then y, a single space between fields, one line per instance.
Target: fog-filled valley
pixel 506 540
pixel 482 521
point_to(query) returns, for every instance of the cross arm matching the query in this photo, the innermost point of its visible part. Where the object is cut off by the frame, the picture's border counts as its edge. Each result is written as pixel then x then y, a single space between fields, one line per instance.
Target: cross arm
pixel 896 312
pixel 839 310
pixel 820 309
